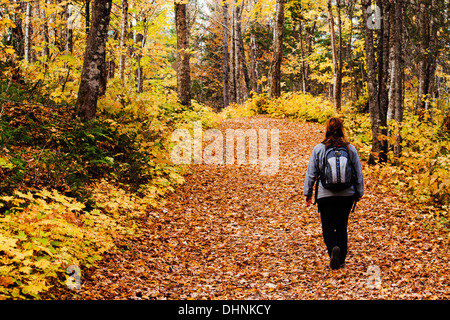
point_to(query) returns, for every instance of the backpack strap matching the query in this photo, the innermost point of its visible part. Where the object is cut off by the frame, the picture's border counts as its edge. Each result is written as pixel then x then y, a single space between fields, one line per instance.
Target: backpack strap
pixel 316 190
pixel 324 163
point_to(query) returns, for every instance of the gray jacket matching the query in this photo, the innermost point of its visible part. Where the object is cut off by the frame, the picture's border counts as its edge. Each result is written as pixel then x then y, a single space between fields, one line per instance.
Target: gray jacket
pixel 316 162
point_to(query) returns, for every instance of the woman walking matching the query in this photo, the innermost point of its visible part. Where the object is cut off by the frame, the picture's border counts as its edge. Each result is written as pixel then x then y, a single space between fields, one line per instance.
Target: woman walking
pixel 335 167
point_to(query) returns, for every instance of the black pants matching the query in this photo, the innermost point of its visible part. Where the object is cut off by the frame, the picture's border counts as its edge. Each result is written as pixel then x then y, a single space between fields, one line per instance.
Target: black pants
pixel 334 212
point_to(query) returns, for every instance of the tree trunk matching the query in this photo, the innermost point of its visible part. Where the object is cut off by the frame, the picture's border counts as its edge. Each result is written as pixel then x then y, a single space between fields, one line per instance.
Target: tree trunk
pixel 17 38
pixel 45 46
pixel 423 63
pixel 244 68
pixel 254 63
pixel 241 52
pixel 399 72
pixel 27 41
pixel 275 68
pixel 139 70
pixel 372 86
pixel 337 60
pixel 338 94
pixel 256 87
pixel 88 15
pixel 427 55
pixel 305 79
pixel 236 52
pixel 123 38
pixel 309 43
pixel 52 27
pixel 350 14
pixel 94 60
pixel 183 56
pixel 226 58
pixel 69 30
pixel 383 74
pixel 232 78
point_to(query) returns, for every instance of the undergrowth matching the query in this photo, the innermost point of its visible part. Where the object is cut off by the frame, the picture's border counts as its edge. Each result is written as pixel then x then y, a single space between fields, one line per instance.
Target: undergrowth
pixel 69 190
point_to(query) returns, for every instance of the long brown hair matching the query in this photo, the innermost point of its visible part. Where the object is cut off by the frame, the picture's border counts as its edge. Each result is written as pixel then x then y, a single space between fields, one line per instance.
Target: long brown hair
pixel 334 135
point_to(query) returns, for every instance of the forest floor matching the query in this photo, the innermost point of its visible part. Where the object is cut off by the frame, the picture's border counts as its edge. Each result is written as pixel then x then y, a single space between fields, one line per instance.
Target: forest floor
pixel 232 233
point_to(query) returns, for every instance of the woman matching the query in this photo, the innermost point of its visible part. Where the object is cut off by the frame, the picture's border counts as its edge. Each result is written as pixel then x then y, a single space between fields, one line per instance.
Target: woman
pixel 334 203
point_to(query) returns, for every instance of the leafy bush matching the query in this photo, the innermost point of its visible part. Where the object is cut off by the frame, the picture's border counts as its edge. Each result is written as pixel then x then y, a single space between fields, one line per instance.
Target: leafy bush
pixel 52 148
pixel 104 176
pixel 45 232
pixel 61 152
pixel 362 104
pixel 289 105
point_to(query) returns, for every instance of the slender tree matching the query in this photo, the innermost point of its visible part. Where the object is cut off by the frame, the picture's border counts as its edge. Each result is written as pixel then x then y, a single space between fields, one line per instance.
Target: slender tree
pixel 123 38
pixel 336 53
pixel 183 55
pixel 226 58
pixel 398 68
pixel 372 84
pixel 139 70
pixel 275 68
pixel 235 57
pixel 254 70
pixel 428 12
pixel 232 77
pixel 27 42
pixel 69 29
pixel 87 12
pixel 241 53
pixel 94 60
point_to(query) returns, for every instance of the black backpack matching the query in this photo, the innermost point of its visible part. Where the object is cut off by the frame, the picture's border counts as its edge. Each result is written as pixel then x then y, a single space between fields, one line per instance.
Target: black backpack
pixel 337 171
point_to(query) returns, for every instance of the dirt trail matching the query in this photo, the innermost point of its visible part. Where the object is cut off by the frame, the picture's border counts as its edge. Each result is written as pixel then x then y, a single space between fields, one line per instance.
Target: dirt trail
pixel 231 233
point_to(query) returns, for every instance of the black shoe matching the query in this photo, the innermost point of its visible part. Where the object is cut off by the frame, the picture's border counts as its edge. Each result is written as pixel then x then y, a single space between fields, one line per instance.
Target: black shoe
pixel 334 261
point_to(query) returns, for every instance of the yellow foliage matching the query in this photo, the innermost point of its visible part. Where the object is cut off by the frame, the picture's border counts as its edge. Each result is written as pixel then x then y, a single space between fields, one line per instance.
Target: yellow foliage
pixel 289 105
pixel 49 232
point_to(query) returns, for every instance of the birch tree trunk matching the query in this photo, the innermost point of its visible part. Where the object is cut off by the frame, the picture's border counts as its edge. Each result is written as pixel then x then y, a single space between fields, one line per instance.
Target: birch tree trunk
pixel 27 40
pixel 254 63
pixel 340 52
pixel 275 69
pixel 123 38
pixel 69 30
pixel 302 53
pixel 52 28
pixel 233 80
pixel 183 56
pixel 94 60
pixel 226 58
pixel 236 52
pixel 256 87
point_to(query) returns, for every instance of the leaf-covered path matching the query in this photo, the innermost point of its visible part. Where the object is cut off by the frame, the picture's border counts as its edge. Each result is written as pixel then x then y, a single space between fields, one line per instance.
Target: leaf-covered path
pixel 232 233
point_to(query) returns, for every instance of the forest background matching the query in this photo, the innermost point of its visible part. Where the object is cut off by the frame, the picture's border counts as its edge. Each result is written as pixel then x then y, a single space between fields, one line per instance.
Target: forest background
pixel 90 92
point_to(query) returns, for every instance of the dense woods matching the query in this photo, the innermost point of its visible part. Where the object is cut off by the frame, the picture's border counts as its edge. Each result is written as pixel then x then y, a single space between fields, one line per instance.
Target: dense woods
pixel 91 91
pixel 325 45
